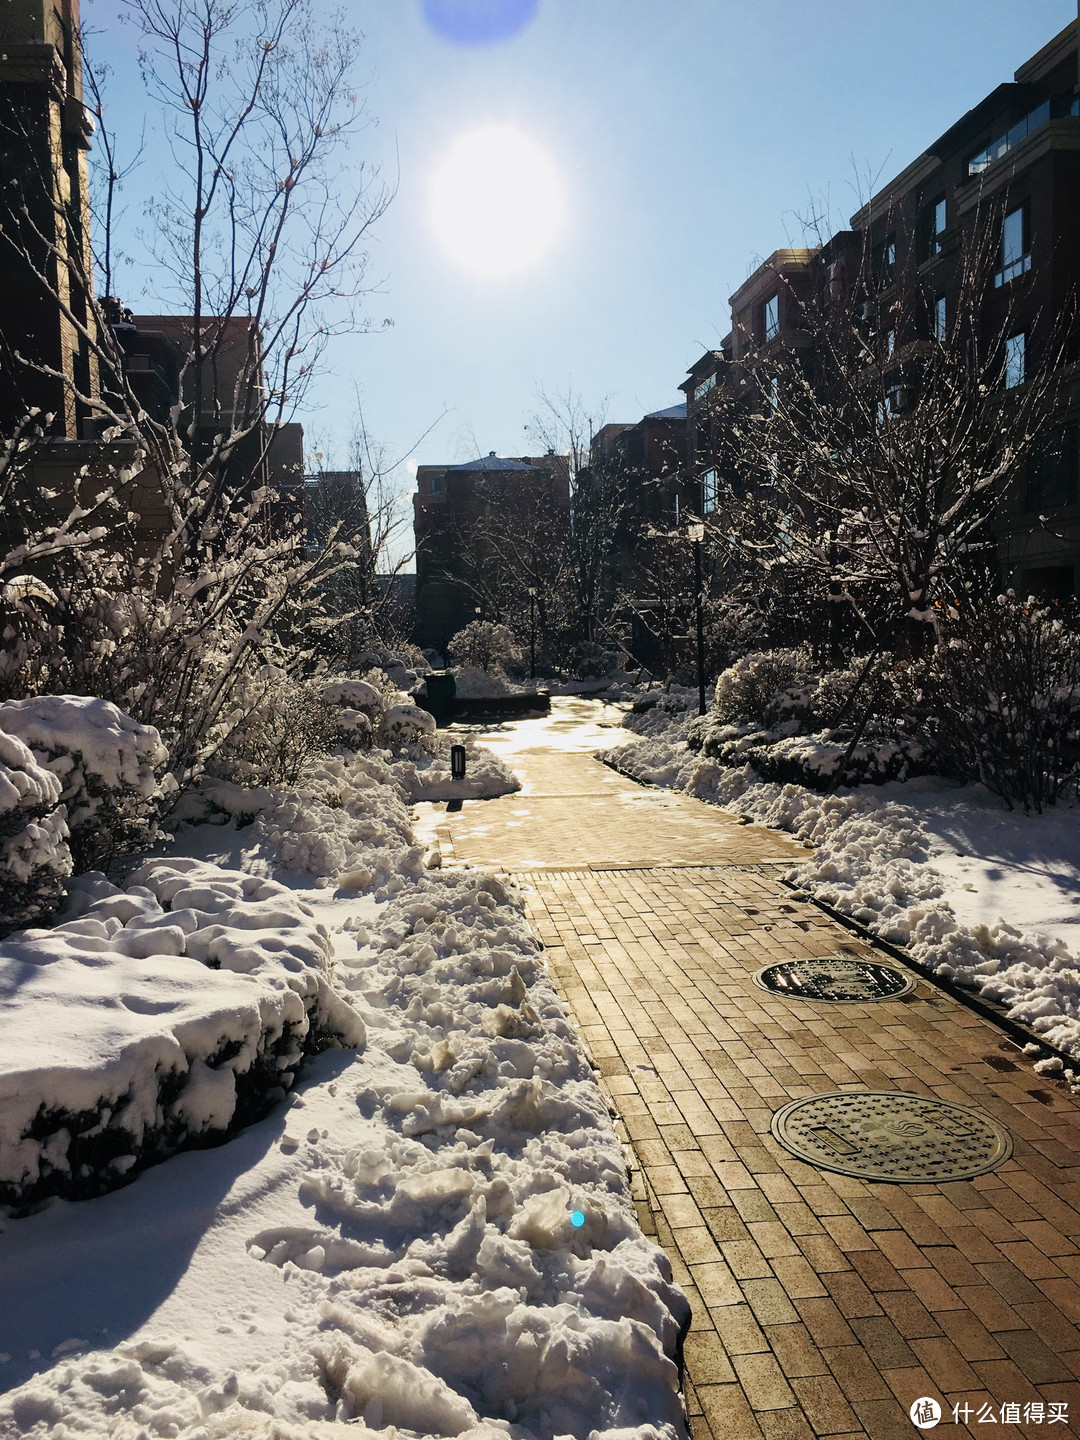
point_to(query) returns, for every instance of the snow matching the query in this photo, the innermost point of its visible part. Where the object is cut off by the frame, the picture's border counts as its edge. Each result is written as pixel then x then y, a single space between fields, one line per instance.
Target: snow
pixel 391 1249
pixel 148 1006
pixel 34 854
pixel 1000 917
pixel 89 743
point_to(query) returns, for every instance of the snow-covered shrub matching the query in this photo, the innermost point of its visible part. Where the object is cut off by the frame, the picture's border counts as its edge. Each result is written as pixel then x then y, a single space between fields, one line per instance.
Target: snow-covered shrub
pixel 283 724
pixel 405 725
pixel 348 692
pixel 34 855
pixel 1004 699
pixel 403 666
pixel 744 690
pixel 109 766
pixel 485 645
pixel 660 712
pixel 591 661
pixel 154 1018
pixel 471 683
pixel 815 760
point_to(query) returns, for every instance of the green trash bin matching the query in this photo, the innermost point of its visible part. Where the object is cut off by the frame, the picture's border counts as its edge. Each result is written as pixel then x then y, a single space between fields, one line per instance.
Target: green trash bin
pixel 441 689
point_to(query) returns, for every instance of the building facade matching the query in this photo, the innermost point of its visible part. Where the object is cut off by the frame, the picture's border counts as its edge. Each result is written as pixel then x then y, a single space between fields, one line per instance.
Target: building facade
pixel 996 197
pixel 483 531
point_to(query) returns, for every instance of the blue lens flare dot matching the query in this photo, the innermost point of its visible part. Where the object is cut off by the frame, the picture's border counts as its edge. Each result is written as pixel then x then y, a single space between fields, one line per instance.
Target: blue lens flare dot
pixel 479 22
pixel 577 1218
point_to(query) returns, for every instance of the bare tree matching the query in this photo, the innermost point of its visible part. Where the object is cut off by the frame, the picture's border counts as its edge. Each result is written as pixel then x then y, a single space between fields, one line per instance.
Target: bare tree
pixel 565 424
pixel 168 566
pixel 863 468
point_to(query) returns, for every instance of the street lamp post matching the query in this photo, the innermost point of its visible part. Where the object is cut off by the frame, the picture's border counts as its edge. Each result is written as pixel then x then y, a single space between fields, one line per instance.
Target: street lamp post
pixel 696 531
pixel 532 632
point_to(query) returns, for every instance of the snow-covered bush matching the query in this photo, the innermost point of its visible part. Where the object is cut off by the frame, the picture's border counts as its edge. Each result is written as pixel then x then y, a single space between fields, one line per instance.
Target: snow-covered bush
pixel 403 666
pixel 109 766
pixel 591 661
pixel 405 725
pixel 485 645
pixel 155 1017
pixel 283 724
pixel 1004 699
pixel 733 628
pixel 471 683
pixel 34 855
pixel 815 760
pixel 656 712
pixel 744 690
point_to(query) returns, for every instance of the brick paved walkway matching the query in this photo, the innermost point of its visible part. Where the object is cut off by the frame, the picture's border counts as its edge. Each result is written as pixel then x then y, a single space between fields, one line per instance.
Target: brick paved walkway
pixel 822 1305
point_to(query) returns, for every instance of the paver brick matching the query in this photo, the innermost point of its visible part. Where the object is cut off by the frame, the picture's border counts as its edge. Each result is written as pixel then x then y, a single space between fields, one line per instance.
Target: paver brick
pixel 961 1289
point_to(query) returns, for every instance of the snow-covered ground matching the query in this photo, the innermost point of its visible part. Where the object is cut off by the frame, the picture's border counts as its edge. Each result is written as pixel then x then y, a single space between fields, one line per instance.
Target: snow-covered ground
pixel 431 1235
pixel 987 897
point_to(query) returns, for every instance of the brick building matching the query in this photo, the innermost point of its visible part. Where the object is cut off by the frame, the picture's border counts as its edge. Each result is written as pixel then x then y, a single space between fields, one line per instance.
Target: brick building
pixel 468 520
pixel 1003 182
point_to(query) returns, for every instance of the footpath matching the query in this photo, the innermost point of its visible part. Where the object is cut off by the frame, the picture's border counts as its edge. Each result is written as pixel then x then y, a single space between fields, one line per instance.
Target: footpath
pixel 824 1304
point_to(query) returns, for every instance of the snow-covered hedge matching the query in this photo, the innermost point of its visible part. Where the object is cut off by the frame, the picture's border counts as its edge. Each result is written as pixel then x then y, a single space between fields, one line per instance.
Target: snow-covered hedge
pixel 109 766
pixel 156 1017
pixel 34 855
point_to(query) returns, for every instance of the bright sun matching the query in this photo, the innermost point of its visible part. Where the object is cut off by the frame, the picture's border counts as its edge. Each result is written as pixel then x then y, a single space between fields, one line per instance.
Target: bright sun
pixel 497 202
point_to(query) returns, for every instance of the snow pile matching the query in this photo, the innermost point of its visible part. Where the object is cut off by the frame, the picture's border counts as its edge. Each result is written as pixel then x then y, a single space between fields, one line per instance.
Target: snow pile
pixel 427 776
pixel 663 712
pixel 445 1226
pixel 109 766
pixel 873 860
pixel 34 854
pixel 348 820
pixel 154 1015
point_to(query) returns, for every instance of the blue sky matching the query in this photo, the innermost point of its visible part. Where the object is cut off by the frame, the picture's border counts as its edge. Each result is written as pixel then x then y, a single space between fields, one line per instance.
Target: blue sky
pixel 689 136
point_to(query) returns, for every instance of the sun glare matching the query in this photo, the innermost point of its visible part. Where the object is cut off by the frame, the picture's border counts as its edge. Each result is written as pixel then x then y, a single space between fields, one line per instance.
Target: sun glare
pixel 497 202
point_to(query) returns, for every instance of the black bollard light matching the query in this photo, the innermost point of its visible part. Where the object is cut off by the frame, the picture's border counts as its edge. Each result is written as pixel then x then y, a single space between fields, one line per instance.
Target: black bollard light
pixel 457 762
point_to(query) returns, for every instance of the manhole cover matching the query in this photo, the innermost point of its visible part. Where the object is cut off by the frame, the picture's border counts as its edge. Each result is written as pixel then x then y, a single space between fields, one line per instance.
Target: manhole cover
pixel 891 1135
pixel 835 978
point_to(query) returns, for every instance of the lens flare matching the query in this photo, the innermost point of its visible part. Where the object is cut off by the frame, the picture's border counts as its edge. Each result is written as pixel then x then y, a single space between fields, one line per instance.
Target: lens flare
pixel 479 22
pixel 497 203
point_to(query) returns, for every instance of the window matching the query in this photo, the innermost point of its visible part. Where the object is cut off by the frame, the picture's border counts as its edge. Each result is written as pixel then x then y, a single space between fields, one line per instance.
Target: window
pixel 1014 361
pixel 703 389
pixel 884 259
pixel 933 227
pixel 771 317
pixel 941 319
pixel 1015 248
pixel 710 492
pixel 890 343
pixel 1004 143
pixel 436 485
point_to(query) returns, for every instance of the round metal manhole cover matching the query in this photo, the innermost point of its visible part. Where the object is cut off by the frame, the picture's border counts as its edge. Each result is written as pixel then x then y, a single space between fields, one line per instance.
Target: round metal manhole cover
pixel 834 979
pixel 891 1135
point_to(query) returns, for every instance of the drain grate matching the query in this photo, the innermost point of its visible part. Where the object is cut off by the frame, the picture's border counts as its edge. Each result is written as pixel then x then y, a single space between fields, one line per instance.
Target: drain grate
pixel 891 1135
pixel 834 979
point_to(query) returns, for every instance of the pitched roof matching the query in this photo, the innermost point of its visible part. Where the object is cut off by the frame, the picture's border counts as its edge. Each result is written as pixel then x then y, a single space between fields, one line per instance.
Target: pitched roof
pixel 673 412
pixel 490 462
